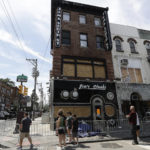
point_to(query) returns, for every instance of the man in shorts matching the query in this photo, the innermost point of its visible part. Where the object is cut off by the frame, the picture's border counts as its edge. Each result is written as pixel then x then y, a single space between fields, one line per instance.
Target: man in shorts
pixel 25 129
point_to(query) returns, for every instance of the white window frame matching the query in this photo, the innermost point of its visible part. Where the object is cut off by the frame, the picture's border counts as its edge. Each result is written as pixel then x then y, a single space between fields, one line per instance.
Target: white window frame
pixel 82 17
pixel 96 19
pixel 84 40
pixel 66 16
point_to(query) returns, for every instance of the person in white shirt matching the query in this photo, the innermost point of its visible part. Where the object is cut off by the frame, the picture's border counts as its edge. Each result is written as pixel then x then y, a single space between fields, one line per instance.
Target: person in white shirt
pixel 137 127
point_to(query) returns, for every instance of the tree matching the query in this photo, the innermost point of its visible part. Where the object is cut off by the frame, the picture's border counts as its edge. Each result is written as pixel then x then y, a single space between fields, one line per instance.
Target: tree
pixel 7 81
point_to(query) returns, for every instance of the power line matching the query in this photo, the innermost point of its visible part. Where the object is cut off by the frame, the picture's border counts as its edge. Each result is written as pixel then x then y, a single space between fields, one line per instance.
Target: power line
pixel 12 24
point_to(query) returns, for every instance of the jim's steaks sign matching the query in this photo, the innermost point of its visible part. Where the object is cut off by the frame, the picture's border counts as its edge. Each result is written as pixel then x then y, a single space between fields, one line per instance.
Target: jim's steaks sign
pixel 92 87
pixel 58 27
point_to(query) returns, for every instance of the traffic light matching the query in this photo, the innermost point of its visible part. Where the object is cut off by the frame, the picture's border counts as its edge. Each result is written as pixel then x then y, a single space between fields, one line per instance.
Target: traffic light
pixel 25 91
pixel 20 89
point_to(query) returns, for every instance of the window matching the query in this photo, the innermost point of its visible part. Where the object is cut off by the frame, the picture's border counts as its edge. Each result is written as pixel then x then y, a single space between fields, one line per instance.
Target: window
pixel 83 40
pixel 66 16
pixel 118 45
pixel 83 68
pixel 82 19
pixel 99 42
pixel 132 46
pixel 132 75
pixel 97 21
pixel 66 37
pixel 148 48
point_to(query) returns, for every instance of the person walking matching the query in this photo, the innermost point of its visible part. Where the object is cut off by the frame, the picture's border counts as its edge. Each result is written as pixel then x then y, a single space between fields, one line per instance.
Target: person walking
pixel 60 129
pixel 75 130
pixel 137 127
pixel 133 121
pixel 69 125
pixel 25 130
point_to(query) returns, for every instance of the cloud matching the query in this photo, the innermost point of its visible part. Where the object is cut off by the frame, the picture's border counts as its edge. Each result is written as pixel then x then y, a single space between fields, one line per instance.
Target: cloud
pixel 6 37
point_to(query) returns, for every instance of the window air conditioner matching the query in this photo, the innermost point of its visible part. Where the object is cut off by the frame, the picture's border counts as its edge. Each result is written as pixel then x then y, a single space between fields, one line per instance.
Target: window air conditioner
pixel 124 62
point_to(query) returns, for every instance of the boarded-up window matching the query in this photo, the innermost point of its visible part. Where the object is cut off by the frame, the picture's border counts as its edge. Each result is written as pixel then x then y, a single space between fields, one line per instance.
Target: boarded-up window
pixel 124 72
pixel 132 75
pixel 99 72
pixel 138 76
pixel 68 70
pixel 85 68
pixel 84 71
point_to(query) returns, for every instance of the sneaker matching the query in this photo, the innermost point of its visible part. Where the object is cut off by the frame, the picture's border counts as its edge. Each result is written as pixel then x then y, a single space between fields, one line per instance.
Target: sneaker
pixel 138 139
pixel 135 143
pixel 19 148
pixel 31 146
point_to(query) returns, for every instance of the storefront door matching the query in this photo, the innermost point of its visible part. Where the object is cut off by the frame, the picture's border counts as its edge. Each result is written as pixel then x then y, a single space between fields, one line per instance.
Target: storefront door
pixel 98 113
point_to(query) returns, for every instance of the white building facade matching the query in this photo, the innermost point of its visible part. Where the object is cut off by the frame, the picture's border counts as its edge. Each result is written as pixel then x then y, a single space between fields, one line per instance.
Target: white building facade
pixel 131 62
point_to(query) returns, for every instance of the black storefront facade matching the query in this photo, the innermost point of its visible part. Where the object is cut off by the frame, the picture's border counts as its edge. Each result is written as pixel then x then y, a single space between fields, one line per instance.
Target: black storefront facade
pixel 89 100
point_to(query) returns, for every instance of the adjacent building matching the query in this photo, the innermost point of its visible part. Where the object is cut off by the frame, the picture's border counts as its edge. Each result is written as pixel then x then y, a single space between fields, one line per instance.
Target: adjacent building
pixel 131 62
pixel 8 97
pixel 82 74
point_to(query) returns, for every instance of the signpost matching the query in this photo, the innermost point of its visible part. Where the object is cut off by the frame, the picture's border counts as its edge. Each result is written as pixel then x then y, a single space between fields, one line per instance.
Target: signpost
pixel 22 78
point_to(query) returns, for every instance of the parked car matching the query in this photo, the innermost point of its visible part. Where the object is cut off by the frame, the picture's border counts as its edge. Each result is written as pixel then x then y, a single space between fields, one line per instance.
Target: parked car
pixel 4 115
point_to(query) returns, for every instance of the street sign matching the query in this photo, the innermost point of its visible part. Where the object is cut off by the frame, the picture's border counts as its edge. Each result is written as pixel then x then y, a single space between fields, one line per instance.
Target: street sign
pixel 22 78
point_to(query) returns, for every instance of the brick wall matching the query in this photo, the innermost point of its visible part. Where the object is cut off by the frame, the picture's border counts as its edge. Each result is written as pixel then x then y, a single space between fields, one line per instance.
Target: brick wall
pixel 75 50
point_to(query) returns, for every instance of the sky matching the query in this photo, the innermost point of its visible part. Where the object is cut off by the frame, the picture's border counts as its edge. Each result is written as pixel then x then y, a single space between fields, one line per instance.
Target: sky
pixel 25 33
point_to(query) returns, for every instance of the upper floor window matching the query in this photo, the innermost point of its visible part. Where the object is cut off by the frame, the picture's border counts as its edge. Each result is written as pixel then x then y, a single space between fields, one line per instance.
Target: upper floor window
pixel 147 44
pixel 132 46
pixel 82 19
pixel 118 45
pixel 66 16
pixel 99 42
pixel 83 40
pixel 66 37
pixel 83 68
pixel 97 21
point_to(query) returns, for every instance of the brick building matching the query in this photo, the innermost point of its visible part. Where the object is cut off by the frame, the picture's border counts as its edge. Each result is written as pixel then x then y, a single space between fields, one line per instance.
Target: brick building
pixel 8 96
pixel 82 73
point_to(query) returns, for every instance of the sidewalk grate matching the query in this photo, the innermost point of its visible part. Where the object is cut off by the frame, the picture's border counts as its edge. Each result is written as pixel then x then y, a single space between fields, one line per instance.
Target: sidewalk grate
pixel 3 147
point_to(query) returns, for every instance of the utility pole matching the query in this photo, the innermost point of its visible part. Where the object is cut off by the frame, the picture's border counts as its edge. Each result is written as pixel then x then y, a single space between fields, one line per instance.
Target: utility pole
pixel 41 94
pixel 35 74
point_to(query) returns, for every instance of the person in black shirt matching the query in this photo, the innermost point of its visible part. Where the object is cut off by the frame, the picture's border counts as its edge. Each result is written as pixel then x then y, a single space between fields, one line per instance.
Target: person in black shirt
pixel 75 129
pixel 25 130
pixel 133 121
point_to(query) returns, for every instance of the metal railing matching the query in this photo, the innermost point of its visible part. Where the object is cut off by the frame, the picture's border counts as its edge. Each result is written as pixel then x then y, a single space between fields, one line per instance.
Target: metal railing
pixel 119 128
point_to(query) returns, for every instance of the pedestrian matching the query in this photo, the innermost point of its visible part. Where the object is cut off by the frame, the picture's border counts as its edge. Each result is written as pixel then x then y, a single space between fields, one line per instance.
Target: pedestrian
pixel 69 121
pixel 20 115
pixel 75 130
pixel 60 129
pixel 25 130
pixel 137 127
pixel 133 121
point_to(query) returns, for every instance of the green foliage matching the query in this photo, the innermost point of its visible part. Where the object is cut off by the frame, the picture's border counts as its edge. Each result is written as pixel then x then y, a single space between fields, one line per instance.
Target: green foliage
pixel 7 81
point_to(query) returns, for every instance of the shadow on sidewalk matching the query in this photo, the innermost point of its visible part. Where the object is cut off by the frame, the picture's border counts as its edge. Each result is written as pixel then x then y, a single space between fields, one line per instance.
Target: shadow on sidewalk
pixel 74 147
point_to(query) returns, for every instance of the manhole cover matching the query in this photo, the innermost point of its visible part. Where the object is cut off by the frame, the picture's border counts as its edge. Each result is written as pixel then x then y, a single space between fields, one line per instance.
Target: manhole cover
pixel 111 145
pixel 2 146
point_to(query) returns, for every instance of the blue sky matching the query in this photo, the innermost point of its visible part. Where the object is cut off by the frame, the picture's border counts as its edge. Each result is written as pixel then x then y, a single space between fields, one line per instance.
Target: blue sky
pixel 33 30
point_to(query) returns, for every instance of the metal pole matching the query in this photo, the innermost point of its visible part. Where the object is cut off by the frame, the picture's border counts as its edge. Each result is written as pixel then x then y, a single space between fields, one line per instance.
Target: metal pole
pixel 35 75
